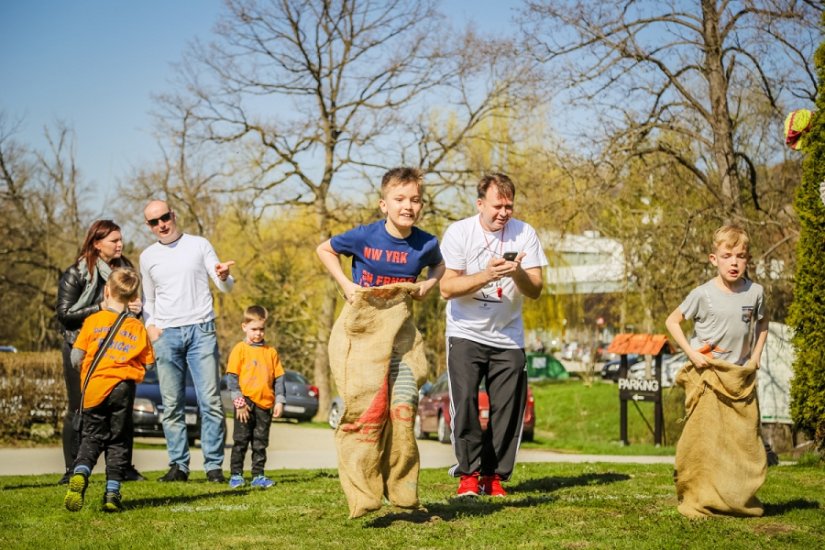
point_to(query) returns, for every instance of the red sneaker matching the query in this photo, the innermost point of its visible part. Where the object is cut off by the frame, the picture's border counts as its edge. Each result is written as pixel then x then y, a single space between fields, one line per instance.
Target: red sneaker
pixel 491 485
pixel 468 487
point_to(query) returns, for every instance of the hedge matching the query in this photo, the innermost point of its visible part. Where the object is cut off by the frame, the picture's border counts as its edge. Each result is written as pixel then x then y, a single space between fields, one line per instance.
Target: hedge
pixel 32 393
pixel 807 312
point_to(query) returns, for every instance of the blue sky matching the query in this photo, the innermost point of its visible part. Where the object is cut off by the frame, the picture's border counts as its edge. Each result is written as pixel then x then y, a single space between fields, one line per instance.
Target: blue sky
pixel 95 64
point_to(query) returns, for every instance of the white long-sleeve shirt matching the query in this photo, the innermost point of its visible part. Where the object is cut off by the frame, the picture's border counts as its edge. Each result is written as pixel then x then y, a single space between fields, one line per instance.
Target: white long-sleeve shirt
pixel 175 280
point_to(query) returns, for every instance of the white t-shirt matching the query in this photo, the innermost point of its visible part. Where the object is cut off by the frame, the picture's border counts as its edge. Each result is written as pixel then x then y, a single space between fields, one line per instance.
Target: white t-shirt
pixel 492 315
pixel 175 280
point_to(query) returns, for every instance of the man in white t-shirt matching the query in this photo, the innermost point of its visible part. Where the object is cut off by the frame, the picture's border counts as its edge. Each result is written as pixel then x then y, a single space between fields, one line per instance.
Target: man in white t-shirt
pixel 492 262
pixel 180 321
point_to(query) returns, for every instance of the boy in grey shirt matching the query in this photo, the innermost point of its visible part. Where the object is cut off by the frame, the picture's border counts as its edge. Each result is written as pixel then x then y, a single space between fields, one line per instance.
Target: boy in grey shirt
pixel 728 310
pixel 718 466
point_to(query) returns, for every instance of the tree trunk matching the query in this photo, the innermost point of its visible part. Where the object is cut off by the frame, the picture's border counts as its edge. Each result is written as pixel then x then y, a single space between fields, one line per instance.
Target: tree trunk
pixel 326 315
pixel 326 319
pixel 723 149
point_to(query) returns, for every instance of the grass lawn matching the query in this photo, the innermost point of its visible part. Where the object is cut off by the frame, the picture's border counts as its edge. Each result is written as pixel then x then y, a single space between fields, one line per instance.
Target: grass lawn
pixel 579 418
pixel 549 506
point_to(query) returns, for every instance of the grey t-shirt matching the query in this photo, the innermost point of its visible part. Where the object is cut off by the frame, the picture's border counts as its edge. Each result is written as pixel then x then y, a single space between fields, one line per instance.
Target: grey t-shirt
pixel 725 321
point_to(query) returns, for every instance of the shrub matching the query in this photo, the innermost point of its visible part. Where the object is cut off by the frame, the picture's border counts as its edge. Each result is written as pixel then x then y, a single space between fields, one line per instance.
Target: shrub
pixel 32 392
pixel 807 313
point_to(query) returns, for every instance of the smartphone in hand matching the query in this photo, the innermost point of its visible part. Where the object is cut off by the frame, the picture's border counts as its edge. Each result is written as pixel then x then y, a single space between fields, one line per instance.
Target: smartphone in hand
pixel 510 256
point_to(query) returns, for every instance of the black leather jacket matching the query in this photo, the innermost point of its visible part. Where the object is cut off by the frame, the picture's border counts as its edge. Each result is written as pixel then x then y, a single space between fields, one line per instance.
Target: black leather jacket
pixel 69 289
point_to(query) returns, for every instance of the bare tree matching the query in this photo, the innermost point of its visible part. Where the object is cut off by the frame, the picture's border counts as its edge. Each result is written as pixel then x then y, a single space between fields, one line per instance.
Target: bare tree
pixel 187 175
pixel 40 231
pixel 304 97
pixel 679 77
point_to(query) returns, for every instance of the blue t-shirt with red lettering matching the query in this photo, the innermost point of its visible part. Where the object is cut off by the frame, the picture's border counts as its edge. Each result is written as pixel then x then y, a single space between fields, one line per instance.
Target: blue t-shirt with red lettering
pixel 380 259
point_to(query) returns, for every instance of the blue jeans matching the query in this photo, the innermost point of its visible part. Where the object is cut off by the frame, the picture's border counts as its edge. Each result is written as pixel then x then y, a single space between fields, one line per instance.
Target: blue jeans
pixel 195 347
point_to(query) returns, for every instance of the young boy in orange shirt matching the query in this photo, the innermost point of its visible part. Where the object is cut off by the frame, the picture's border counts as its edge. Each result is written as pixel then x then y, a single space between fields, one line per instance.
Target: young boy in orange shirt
pixel 256 383
pixel 110 393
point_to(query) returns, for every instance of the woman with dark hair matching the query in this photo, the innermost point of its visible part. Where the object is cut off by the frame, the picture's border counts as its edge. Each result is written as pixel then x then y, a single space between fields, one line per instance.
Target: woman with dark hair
pixel 79 294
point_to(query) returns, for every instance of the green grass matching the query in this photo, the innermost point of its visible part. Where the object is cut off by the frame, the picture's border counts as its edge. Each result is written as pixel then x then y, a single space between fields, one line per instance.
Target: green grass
pixel 549 506
pixel 579 418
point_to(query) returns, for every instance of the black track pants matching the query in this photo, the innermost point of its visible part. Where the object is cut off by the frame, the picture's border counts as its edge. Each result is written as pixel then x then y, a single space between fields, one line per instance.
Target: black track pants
pixel 108 428
pixel 505 376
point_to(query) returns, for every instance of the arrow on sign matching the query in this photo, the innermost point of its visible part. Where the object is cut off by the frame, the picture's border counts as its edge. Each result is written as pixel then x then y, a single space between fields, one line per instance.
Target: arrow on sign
pixel 637 397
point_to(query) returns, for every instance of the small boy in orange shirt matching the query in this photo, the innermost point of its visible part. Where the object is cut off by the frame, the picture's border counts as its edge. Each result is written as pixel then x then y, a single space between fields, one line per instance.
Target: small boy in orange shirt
pixel 255 379
pixel 109 395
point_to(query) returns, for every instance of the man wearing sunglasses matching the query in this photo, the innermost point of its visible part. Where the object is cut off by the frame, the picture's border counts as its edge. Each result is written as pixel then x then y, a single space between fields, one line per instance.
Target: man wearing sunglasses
pixel 180 321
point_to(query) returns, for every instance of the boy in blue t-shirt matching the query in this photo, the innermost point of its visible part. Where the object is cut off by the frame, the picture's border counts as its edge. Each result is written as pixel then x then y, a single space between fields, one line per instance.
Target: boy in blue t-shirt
pixel 391 250
pixel 375 441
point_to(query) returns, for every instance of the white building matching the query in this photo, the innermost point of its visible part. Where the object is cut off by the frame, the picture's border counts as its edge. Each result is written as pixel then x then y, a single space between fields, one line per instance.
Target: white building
pixel 583 264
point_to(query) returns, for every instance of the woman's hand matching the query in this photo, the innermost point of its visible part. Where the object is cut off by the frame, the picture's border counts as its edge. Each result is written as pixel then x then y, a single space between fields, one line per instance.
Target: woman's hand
pixel 135 306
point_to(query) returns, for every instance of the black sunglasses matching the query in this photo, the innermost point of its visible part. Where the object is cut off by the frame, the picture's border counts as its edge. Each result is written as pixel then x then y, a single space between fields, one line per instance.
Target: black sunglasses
pixel 164 218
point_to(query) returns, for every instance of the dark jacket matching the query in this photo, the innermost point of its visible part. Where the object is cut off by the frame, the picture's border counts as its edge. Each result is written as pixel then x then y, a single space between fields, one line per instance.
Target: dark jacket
pixel 69 289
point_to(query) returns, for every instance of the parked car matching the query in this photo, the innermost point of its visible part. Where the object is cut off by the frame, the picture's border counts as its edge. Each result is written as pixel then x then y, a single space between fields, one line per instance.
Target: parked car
pixel 610 370
pixel 148 408
pixel 434 411
pixel 671 364
pixel 8 349
pixel 336 409
pixel 301 397
pixel 571 351
pixel 636 368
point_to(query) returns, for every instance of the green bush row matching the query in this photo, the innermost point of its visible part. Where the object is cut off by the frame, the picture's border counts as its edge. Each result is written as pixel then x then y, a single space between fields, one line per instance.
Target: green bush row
pixel 32 392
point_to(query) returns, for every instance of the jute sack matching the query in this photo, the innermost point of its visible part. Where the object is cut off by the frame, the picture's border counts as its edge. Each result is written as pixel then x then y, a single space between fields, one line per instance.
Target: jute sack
pixel 377 359
pixel 720 458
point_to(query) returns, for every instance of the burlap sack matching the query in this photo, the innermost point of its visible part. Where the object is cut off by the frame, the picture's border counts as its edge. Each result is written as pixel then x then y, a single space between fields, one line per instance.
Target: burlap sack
pixel 720 458
pixel 377 359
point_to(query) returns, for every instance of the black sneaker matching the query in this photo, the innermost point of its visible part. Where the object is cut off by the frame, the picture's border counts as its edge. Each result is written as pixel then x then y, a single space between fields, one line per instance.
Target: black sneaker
pixel 65 479
pixel 131 474
pixel 112 502
pixel 215 476
pixel 175 474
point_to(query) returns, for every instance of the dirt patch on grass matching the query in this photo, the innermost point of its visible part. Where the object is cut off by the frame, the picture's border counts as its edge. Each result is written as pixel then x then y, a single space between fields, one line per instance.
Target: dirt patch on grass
pixel 772 529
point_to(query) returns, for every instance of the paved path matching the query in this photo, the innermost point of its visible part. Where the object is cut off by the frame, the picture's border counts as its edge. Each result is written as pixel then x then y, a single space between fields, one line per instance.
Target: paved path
pixel 291 446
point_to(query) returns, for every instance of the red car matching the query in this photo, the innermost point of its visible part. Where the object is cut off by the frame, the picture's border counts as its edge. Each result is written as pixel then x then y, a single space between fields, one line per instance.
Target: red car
pixel 434 411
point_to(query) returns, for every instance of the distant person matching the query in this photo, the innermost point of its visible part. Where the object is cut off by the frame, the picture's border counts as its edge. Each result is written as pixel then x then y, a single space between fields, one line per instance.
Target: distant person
pixel 255 378
pixel 180 320
pixel 109 394
pixel 79 295
pixel 493 260
pixel 377 452
pixel 720 457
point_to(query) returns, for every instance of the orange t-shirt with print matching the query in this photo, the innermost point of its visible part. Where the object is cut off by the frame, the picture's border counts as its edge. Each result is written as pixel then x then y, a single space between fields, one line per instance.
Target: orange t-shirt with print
pixel 257 368
pixel 125 359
